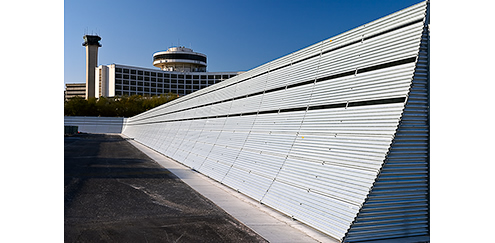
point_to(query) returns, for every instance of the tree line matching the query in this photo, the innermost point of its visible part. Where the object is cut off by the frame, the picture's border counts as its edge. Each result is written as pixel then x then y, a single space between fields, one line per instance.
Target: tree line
pixel 118 106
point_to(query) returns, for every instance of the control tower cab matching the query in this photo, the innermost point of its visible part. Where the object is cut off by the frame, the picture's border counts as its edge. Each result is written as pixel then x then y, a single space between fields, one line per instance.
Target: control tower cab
pixel 180 59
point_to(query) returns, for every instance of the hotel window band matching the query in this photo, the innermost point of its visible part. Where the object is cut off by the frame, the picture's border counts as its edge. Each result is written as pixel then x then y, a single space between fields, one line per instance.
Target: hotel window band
pixel 180 56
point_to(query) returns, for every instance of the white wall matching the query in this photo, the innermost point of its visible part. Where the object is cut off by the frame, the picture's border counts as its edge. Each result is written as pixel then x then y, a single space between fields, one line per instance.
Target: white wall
pixel 306 134
pixel 90 124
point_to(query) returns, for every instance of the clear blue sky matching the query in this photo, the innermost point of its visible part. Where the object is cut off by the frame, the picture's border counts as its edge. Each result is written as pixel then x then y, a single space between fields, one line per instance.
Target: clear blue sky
pixel 235 35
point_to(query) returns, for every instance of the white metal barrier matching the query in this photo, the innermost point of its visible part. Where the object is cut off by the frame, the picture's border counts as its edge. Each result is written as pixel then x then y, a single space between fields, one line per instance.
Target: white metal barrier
pixel 94 124
pixel 334 135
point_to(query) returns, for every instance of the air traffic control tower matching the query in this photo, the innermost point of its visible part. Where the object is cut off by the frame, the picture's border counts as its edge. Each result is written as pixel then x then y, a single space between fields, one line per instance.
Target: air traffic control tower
pixel 91 42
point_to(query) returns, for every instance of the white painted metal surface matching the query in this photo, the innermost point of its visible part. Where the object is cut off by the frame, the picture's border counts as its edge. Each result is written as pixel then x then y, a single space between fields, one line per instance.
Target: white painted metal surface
pixel 398 202
pixel 318 133
pixel 93 124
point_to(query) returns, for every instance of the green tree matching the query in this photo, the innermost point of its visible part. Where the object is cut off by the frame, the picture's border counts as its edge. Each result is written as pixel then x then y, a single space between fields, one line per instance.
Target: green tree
pixel 75 106
pixel 91 108
pixel 120 106
pixel 106 107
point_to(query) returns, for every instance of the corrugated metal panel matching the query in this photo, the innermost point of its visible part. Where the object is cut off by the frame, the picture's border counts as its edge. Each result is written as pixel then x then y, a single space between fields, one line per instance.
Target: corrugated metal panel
pixel 94 124
pixel 308 133
pixel 398 205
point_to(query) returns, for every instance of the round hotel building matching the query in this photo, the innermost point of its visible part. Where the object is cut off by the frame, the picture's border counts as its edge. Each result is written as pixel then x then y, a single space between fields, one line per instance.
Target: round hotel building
pixel 180 59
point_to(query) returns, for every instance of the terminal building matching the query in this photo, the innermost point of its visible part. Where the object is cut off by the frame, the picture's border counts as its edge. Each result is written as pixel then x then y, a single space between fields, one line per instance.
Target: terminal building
pixel 182 71
pixel 73 90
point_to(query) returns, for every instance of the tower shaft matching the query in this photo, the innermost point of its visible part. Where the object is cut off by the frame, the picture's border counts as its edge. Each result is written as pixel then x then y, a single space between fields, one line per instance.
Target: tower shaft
pixel 91 42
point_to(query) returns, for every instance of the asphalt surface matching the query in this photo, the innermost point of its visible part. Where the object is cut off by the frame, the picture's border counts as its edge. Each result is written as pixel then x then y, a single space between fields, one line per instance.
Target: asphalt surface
pixel 115 193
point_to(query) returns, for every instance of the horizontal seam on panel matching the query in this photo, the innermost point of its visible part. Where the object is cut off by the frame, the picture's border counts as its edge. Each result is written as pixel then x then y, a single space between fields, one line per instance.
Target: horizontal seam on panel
pixel 287 65
pixel 312 108
pixel 349 73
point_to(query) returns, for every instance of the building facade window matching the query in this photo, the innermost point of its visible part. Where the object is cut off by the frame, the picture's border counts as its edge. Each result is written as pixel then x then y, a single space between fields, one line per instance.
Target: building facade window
pixel 133 80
